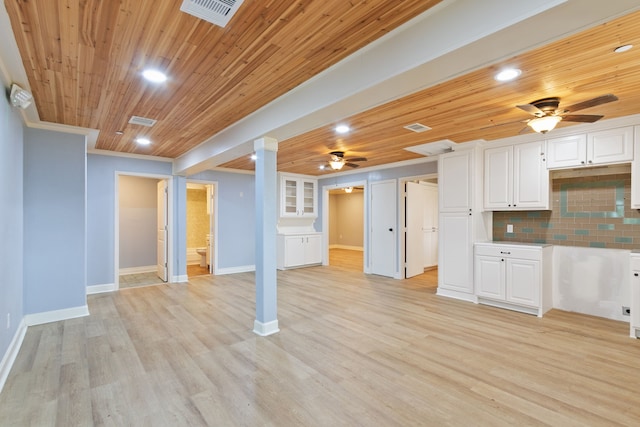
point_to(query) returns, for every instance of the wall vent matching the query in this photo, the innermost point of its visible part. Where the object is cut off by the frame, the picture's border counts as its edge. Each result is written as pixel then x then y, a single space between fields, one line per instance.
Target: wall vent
pixel 143 121
pixel 218 12
pixel 417 127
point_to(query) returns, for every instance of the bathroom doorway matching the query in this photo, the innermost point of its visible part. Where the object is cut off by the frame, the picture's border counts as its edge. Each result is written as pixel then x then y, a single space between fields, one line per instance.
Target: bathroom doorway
pixel 200 228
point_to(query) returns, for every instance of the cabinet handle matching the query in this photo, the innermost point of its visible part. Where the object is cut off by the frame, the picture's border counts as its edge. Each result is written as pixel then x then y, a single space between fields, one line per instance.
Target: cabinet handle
pixel 590 161
pixel 502 260
pixel 582 162
pixel 635 274
pixel 505 253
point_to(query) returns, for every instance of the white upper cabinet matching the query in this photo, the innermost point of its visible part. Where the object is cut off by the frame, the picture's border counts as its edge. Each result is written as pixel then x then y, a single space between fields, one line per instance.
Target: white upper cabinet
pixel 298 197
pixel 516 177
pixel 596 148
pixel 455 172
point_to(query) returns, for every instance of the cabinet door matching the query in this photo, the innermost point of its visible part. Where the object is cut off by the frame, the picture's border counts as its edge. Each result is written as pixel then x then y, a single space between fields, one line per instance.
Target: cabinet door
pixel 455 269
pixel 489 277
pixel 307 198
pixel 610 146
pixel 289 200
pixel 313 249
pixel 454 181
pixel 523 282
pixel 498 180
pixel 566 152
pixel 294 251
pixel 530 176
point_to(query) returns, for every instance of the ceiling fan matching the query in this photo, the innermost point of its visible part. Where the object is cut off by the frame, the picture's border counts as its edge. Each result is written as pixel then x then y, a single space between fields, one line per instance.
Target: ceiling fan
pixel 337 161
pixel 548 115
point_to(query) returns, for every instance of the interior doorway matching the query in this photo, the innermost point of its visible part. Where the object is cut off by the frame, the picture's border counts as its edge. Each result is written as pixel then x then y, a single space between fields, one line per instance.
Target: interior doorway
pixel 200 228
pixel 143 239
pixel 419 242
pixel 344 221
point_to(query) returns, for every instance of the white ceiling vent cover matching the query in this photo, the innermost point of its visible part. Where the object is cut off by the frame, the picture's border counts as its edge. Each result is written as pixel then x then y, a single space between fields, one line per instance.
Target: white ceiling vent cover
pixel 218 12
pixel 143 121
pixel 417 127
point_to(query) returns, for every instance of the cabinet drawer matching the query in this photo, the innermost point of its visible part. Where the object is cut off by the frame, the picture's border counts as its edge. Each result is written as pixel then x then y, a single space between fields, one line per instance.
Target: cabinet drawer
pixel 507 251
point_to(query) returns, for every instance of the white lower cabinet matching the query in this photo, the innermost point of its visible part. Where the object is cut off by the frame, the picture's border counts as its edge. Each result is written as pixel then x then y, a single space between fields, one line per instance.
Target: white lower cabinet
pixel 635 295
pixel 299 250
pixel 514 276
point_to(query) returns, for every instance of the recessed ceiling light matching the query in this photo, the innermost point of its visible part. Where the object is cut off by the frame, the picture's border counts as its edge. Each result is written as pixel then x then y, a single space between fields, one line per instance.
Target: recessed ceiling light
pixel 143 141
pixel 623 48
pixel 507 74
pixel 154 76
pixel 321 167
pixel 342 128
pixel 254 156
pixel 119 132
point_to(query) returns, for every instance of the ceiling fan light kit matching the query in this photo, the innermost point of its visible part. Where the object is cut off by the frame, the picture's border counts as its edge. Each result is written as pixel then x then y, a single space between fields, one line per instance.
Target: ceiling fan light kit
pixel 336 165
pixel 544 124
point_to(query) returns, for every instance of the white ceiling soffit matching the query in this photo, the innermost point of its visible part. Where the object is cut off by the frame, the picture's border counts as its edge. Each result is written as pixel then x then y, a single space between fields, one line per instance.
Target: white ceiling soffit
pixel 433 148
pixel 218 12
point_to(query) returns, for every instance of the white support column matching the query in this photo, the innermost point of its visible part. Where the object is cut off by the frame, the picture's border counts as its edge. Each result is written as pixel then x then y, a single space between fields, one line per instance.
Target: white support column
pixel 266 322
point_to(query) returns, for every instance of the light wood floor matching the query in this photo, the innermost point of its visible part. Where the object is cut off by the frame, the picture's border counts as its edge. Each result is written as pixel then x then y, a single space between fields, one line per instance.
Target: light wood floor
pixel 353 350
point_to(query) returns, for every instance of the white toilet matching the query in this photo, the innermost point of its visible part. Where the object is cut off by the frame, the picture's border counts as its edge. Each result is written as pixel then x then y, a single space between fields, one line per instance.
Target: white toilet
pixel 203 256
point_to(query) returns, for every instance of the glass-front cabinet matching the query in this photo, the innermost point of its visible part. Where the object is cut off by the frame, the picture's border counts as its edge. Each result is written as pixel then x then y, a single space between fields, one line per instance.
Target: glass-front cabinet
pixel 298 197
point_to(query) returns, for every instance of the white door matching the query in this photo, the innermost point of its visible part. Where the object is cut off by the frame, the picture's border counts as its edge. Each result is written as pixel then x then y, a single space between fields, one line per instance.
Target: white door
pixel 430 225
pixel 383 228
pixel 162 204
pixel 211 211
pixel 414 236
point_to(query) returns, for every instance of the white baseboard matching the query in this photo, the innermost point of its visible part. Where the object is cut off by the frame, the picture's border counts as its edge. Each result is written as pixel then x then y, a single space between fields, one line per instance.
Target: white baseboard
pixel 56 315
pixel 179 279
pixel 11 353
pixel 464 296
pixel 234 270
pixel 99 289
pixel 265 329
pixel 137 270
pixel 350 248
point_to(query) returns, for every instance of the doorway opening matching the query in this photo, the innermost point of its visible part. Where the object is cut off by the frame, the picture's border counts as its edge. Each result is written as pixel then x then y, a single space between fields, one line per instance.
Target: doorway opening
pixel 200 228
pixel 143 241
pixel 419 242
pixel 344 222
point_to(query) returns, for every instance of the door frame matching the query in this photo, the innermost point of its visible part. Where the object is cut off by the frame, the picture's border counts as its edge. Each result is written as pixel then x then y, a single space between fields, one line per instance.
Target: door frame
pixel 214 218
pixel 325 221
pixel 402 194
pixel 170 224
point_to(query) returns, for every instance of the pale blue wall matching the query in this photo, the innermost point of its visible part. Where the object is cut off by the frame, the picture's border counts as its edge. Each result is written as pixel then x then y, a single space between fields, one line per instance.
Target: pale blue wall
pixel 54 221
pixel 236 217
pixel 101 178
pixel 11 223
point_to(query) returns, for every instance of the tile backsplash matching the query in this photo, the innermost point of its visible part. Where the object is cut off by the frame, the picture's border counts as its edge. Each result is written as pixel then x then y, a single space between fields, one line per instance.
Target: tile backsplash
pixel 587 210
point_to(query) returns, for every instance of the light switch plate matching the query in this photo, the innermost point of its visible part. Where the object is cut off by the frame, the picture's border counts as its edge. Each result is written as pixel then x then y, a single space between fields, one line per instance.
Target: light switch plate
pixel 509 228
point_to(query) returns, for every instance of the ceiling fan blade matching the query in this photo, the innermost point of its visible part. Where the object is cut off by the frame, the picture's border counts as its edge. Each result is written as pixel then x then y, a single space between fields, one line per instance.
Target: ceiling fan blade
pixel 531 109
pixel 352 165
pixel 592 102
pixel 357 159
pixel 582 118
pixel 524 130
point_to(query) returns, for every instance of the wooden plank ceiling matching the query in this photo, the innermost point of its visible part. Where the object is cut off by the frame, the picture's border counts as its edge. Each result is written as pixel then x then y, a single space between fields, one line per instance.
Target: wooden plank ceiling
pixel 83 60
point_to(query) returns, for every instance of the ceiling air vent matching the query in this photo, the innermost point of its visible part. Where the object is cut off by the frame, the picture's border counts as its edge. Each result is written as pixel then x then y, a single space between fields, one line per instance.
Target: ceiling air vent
pixel 417 127
pixel 143 121
pixel 218 12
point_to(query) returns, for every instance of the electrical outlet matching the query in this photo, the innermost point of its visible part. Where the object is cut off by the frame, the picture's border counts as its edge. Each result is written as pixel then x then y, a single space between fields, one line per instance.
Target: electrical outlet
pixel 509 228
pixel 626 311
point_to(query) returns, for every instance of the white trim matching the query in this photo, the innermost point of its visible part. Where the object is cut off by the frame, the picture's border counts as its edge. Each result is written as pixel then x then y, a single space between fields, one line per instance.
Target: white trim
pixel 265 329
pixel 234 270
pixel 11 353
pixel 99 289
pixel 56 315
pixel 347 247
pixel 170 221
pixel 179 279
pixel 128 155
pixel 137 270
pixel 365 220
pixel 463 296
